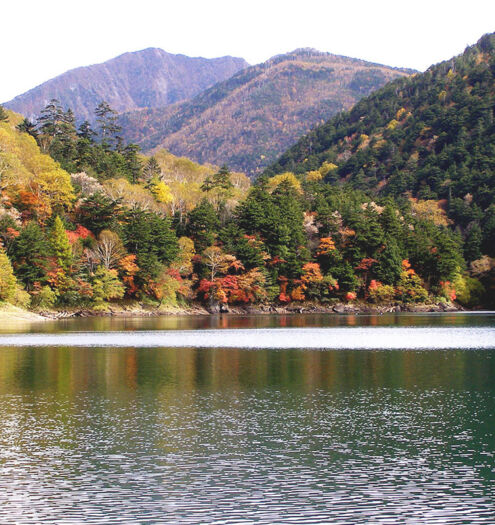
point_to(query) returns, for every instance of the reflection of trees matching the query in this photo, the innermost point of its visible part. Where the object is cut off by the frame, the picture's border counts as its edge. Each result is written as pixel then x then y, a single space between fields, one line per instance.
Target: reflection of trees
pixel 68 371
pixel 173 396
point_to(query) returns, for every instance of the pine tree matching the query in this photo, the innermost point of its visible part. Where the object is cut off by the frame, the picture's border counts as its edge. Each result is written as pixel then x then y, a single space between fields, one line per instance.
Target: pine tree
pixel 26 126
pixel 133 164
pixel 52 116
pixel 85 131
pixel 389 267
pixel 202 225
pixel 98 212
pixel 106 117
pixel 28 256
pixel 151 170
pixel 472 243
pixel 221 179
pixel 60 244
pixel 3 115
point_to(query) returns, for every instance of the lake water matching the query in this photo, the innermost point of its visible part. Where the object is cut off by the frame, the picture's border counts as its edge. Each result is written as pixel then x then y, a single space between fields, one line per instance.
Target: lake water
pixel 138 432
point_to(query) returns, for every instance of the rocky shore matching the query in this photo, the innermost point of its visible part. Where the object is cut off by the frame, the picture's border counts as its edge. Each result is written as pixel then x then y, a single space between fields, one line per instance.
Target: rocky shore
pixel 139 310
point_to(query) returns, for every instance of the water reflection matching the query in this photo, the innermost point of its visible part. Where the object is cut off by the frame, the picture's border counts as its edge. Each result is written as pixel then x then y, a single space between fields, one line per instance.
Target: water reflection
pixel 199 322
pixel 192 435
pixel 70 370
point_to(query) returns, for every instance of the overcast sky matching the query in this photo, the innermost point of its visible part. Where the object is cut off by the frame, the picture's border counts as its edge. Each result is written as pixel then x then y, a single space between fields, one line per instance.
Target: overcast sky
pixel 41 39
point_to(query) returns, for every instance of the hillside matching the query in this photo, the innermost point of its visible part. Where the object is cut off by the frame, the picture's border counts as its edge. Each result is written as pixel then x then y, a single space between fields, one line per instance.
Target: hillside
pixel 249 119
pixel 163 230
pixel 147 78
pixel 431 136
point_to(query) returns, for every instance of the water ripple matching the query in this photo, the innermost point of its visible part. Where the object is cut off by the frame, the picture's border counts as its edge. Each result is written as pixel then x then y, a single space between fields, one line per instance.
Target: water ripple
pixel 262 456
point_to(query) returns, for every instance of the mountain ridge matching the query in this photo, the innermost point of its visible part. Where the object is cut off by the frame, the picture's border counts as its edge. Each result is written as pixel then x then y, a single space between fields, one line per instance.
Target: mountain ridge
pixel 150 77
pixel 429 137
pixel 247 120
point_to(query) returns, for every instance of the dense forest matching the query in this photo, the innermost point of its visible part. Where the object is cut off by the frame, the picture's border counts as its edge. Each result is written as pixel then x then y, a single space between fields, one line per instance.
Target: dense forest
pixel 429 137
pixel 381 206
pixel 163 230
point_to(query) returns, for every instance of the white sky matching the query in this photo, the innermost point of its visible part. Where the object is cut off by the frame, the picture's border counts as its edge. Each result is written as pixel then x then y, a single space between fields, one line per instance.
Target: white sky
pixel 40 39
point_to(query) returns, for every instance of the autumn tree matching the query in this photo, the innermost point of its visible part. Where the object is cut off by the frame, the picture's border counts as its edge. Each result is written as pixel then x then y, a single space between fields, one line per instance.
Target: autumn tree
pixel 8 282
pixel 183 263
pixel 217 261
pixel 108 250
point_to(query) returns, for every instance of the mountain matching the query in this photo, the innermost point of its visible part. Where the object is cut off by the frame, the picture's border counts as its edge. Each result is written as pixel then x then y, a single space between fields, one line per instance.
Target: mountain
pixel 431 136
pixel 147 78
pixel 251 118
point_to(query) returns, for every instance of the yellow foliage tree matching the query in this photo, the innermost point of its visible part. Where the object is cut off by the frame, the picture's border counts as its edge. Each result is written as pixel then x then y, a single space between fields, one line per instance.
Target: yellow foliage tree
pixel 313 176
pixel 429 210
pixel 289 177
pixel 23 168
pixel 183 263
pixel 161 192
pixel 327 167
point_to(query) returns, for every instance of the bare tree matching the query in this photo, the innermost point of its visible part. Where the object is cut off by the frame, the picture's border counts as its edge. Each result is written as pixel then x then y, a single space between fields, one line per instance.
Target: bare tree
pixel 108 250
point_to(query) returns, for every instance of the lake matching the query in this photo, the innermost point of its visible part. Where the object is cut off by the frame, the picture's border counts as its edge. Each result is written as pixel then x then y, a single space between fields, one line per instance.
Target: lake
pixel 103 423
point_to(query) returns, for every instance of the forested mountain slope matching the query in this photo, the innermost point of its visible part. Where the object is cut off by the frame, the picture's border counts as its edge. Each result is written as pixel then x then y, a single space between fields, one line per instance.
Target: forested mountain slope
pixel 163 230
pixel 249 119
pixel 430 136
pixel 147 78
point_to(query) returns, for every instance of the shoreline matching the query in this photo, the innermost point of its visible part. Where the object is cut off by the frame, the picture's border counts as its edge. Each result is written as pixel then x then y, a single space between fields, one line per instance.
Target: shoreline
pixel 138 310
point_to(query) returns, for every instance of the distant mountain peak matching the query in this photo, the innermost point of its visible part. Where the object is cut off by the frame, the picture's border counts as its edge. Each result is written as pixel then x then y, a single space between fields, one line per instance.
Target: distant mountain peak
pixel 150 78
pixel 247 120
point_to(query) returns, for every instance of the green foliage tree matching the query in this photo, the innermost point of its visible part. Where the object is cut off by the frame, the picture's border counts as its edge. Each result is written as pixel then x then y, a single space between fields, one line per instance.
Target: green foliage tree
pixel 60 244
pixel 151 170
pixel 26 126
pixel 429 136
pixel 106 117
pixel 106 286
pixel 29 256
pixel 3 115
pixel 151 238
pixel 98 212
pixel 202 225
pixel 8 282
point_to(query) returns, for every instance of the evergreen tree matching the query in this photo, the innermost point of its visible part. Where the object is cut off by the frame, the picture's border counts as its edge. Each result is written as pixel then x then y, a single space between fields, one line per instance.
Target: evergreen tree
pixel 151 170
pixel 86 132
pixel 472 243
pixel 133 164
pixel 26 126
pixel 389 267
pixel 3 115
pixel 51 119
pixel 60 244
pixel 98 212
pixel 106 117
pixel 203 224
pixel 29 258
pixel 151 238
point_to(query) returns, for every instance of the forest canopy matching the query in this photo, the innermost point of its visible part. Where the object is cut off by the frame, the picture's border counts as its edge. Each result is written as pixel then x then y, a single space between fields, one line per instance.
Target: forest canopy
pixel 390 203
